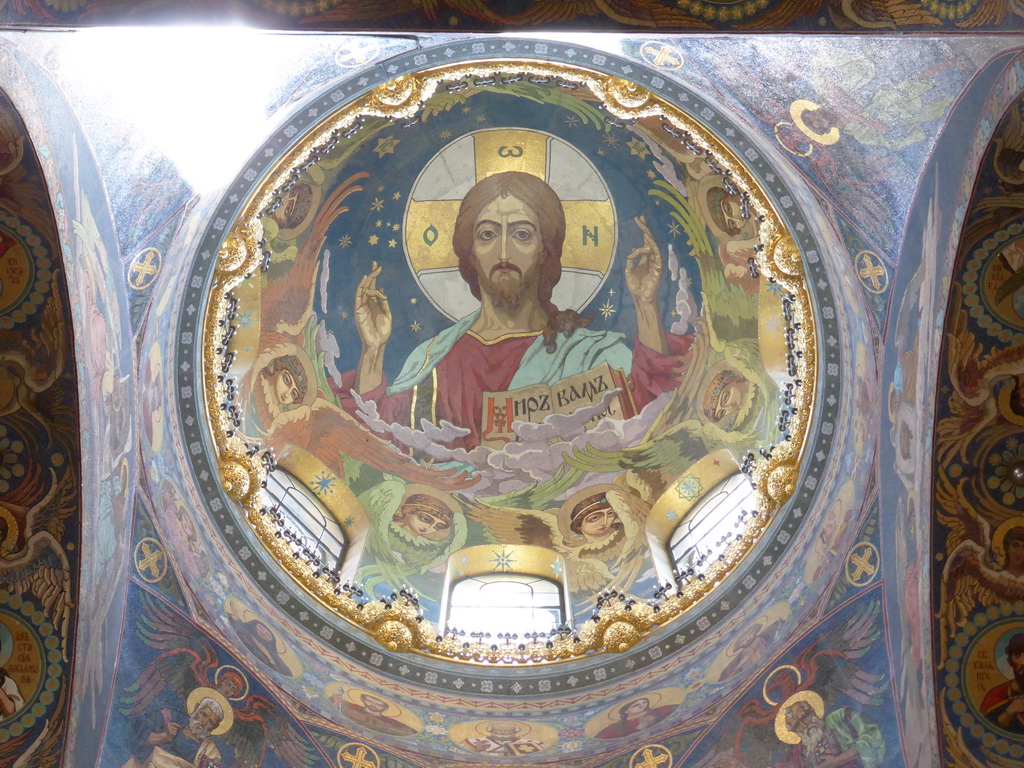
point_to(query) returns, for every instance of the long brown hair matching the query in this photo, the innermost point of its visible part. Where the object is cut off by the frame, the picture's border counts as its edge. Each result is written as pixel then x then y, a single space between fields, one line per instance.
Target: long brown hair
pixel 543 201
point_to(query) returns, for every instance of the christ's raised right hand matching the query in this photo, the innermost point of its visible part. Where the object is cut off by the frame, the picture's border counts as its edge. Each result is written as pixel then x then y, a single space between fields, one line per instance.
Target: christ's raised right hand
pixel 373 315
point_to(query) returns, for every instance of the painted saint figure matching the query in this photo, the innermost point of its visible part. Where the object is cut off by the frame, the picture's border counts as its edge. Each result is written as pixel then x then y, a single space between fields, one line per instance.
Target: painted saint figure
pixel 11 698
pixel 1004 704
pixel 373 713
pixel 842 739
pixel 635 716
pixel 168 744
pixel 503 740
pixel 508 238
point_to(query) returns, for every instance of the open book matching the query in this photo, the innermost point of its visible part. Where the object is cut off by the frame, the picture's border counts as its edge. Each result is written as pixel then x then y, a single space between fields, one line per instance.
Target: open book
pixel 535 402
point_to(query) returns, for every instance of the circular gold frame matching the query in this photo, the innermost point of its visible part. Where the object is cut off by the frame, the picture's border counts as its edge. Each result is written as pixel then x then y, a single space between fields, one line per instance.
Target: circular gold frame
pixel 618 624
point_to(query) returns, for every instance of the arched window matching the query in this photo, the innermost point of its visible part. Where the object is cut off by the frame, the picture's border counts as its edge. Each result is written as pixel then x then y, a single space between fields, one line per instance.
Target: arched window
pixel 305 521
pixel 506 602
pixel 704 533
pixel 505 590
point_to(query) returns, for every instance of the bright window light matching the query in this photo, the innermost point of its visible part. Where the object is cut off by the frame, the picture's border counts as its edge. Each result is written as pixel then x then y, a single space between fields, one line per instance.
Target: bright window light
pixel 503 603
pixel 712 525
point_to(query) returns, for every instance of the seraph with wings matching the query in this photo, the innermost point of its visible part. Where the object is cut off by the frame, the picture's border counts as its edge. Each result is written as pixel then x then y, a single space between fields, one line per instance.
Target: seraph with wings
pixel 188 660
pixel 611 558
pixel 286 395
pixel 830 668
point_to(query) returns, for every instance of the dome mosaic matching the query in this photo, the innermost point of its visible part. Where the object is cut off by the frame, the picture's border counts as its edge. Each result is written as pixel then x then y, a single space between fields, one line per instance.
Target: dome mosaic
pixel 505 361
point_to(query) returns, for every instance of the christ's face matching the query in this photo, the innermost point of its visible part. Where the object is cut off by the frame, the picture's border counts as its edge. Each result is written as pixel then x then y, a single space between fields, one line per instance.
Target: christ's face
pixel 507 246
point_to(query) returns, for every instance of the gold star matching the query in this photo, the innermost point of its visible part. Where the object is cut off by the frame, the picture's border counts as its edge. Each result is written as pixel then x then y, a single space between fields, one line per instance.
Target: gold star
pixel 344 314
pixel 481 119
pixel 600 152
pixel 413 300
pixel 638 148
pixel 380 187
pixel 377 205
pixel 395 227
pixel 346 241
pixel 416 325
pixel 673 228
pixel 386 146
pixel 571 121
pixel 650 174
pixel 445 134
pixel 377 223
pixel 374 239
pixel 611 140
pixel 392 243
pixel 606 309
pixel 465 110
pixel 397 196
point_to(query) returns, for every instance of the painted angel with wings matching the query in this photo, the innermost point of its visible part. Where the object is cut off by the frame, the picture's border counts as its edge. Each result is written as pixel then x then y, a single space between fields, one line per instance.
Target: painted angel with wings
pixel 800 702
pixel 985 565
pixel 980 397
pixel 599 531
pixel 286 397
pixel 187 702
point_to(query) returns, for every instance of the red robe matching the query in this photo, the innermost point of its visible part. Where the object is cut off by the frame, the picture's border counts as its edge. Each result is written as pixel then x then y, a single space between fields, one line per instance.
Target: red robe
pixel 473 367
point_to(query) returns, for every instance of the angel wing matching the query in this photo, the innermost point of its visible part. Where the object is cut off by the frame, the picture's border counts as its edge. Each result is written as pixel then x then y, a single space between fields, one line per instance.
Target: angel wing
pixel 260 724
pixel 884 14
pixel 516 526
pixel 540 528
pixel 286 303
pixel 186 661
pixel 589 574
pixel 832 660
pixel 329 433
pixel 42 569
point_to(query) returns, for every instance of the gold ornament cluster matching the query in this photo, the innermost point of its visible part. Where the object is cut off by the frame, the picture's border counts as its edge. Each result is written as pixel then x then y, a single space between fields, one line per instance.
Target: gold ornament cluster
pixel 620 623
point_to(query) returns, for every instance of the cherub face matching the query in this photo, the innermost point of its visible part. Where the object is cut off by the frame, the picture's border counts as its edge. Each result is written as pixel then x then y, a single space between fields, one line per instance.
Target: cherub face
pixel 598 524
pixel 284 387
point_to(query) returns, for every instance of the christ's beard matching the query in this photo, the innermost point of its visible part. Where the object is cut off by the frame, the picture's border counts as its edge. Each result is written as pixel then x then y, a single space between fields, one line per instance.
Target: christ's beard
pixel 508 290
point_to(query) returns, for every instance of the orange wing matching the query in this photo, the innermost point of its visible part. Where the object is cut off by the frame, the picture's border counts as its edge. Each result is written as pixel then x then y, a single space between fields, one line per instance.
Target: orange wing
pixel 287 301
pixel 328 432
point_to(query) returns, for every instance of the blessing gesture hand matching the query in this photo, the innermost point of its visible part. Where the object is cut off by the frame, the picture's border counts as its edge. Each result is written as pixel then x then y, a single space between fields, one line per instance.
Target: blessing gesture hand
pixel 373 315
pixel 644 268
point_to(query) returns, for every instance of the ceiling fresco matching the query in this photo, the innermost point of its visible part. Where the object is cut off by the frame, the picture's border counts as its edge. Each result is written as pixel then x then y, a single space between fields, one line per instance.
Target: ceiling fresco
pixel 245 588
pixel 876 16
pixel 40 468
pixel 978 581
pixel 555 448
pixel 301 212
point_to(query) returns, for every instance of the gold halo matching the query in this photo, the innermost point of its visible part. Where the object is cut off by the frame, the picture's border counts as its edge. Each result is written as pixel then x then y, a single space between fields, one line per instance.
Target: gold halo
pixel 786 736
pixel 198 694
pixel 430 214
pixel 764 687
pixel 782 144
pixel 998 550
pixel 797 110
pixel 354 696
pixel 222 668
pixel 8 542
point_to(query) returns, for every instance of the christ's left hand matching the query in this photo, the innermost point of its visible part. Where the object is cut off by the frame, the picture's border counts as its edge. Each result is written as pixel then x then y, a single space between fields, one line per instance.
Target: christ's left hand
pixel 643 278
pixel 644 268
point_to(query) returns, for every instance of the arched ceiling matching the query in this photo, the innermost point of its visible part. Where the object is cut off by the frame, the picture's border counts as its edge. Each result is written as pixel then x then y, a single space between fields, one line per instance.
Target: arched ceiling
pixel 808 615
